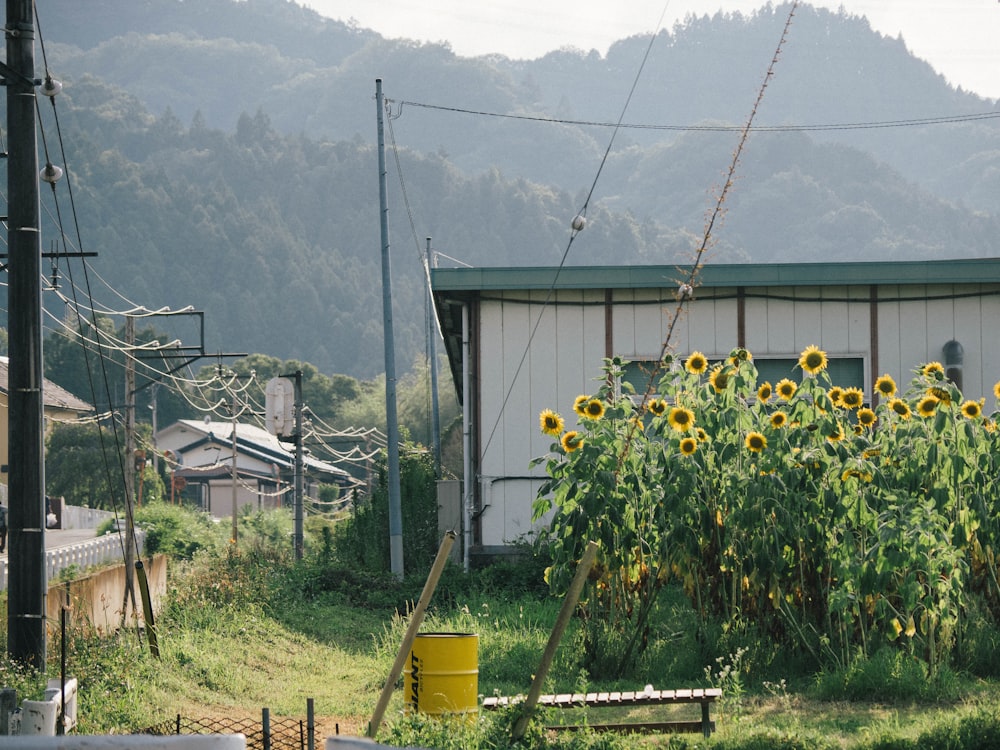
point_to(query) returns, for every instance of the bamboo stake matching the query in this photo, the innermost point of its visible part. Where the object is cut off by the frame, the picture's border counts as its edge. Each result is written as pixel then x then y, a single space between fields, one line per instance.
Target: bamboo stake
pixel 569 604
pixel 411 631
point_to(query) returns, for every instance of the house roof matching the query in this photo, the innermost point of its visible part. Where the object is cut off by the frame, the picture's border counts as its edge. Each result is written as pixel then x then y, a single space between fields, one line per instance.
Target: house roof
pixel 53 395
pixel 453 287
pixel 251 441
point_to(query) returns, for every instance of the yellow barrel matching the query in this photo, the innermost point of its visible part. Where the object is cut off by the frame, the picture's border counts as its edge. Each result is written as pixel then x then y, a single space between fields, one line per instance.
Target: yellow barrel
pixel 442 675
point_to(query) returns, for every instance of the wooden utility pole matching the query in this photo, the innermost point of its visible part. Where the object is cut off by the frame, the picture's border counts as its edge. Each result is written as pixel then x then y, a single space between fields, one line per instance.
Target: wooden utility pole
pixel 27 587
pixel 130 467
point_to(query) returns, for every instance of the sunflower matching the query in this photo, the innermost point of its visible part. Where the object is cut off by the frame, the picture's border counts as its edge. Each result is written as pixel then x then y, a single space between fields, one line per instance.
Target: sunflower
pixel 836 395
pixel 657 407
pixel 885 386
pixel 550 422
pixel 852 398
pixel 900 407
pixel 971 409
pixel 927 406
pixel 990 426
pixel 933 370
pixel 571 441
pixel 739 355
pixel 813 360
pixel 786 389
pixel 719 378
pixel 580 403
pixel 756 442
pixel 866 417
pixel 681 419
pixel 696 363
pixel 764 392
pixel 779 419
pixel 701 435
pixel 837 435
pixel 688 446
pixel 996 390
pixel 941 394
pixel 593 409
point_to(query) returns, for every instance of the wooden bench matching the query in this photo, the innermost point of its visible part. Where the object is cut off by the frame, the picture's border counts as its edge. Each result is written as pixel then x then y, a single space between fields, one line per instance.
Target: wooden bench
pixel 703 696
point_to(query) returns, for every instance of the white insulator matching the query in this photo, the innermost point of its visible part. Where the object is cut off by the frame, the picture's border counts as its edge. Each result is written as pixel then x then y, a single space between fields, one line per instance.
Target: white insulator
pixel 51 87
pixel 51 174
pixel 684 291
pixel 579 222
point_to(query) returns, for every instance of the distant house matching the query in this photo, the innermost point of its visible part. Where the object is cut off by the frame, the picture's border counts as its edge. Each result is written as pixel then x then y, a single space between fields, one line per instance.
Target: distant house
pixel 520 340
pixel 202 454
pixel 59 406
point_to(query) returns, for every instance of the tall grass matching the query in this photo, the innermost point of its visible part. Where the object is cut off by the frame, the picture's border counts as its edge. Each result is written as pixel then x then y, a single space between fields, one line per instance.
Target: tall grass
pixel 246 626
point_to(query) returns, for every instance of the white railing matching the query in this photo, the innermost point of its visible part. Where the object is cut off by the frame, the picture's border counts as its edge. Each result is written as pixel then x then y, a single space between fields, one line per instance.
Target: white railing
pixel 84 554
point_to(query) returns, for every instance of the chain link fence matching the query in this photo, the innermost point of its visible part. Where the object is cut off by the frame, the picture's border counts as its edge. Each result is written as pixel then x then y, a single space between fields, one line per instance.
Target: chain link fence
pixel 265 733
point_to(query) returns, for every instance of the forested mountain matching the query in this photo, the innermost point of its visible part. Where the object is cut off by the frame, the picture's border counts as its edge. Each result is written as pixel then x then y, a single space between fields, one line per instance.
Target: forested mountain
pixel 222 155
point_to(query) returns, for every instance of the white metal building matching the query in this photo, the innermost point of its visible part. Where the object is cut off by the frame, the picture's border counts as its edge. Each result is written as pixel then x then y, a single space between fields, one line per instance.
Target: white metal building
pixel 535 338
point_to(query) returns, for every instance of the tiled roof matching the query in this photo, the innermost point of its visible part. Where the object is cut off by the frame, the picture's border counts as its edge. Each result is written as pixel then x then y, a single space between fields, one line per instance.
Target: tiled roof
pixel 55 396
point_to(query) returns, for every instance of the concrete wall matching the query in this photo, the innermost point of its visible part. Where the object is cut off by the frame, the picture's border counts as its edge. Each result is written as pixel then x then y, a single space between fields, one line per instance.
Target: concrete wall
pixel 97 599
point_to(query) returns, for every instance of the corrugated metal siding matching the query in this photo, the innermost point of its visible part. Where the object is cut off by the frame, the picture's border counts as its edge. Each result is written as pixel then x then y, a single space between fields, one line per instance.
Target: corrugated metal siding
pixel 566 352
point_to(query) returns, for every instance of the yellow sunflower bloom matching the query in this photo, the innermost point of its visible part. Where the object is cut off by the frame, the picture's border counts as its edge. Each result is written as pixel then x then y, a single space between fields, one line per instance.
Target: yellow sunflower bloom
pixel 996 390
pixel 933 370
pixel 593 409
pixel 885 386
pixel 701 435
pixel 779 419
pixel 836 395
pixel 580 403
pixel 696 363
pixel 941 394
pixel 971 409
pixel 812 360
pixel 681 419
pixel 927 406
pixel 688 446
pixel 852 398
pixel 866 417
pixel 786 389
pixel 719 378
pixel 764 392
pixel 550 422
pixel 900 407
pixel 756 442
pixel 657 407
pixel 837 435
pixel 571 441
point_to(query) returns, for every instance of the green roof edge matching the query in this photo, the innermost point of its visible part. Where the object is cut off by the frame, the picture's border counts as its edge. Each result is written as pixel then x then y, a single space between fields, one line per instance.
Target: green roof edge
pixel 964 271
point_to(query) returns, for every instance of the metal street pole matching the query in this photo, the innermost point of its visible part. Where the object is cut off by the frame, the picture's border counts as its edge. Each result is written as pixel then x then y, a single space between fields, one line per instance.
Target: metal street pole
pixel 392 422
pixel 27 588
pixel 432 362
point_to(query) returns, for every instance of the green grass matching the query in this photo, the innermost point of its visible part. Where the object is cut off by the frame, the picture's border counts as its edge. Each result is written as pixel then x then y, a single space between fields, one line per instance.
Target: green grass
pixel 246 628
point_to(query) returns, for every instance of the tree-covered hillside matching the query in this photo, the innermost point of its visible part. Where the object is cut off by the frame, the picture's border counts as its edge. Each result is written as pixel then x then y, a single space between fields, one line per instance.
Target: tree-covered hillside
pixel 222 155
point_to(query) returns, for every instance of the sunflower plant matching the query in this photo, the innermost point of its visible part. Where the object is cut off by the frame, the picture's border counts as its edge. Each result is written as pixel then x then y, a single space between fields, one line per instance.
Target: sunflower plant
pixel 838 525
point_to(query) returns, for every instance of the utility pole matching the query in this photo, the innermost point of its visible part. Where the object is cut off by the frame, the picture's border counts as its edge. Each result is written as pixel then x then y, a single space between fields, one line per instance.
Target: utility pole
pixel 432 357
pixel 130 466
pixel 392 422
pixel 27 588
pixel 299 469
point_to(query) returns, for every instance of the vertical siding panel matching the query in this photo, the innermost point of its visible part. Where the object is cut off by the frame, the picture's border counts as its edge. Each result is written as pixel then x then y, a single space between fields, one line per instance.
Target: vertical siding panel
pixel 701 326
pixel 781 324
pixel 889 324
pixel 834 334
pixel 913 334
pixel 807 319
pixel 990 349
pixel 757 330
pixel 969 333
pixel 940 327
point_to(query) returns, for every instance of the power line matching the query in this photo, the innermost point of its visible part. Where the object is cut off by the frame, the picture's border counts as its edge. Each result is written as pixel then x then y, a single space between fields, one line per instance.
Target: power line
pixel 871 125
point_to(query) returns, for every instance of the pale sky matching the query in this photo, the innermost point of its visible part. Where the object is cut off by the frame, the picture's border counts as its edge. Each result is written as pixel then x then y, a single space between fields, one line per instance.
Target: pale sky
pixel 959 38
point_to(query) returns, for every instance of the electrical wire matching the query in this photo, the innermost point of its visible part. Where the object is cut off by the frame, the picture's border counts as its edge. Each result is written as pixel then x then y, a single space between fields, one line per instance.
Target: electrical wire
pixel 792 128
pixel 578 223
